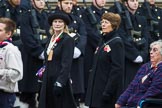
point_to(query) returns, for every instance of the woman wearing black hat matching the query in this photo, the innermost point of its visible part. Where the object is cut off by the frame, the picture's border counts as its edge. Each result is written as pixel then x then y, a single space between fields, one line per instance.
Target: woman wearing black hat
pixel 56 88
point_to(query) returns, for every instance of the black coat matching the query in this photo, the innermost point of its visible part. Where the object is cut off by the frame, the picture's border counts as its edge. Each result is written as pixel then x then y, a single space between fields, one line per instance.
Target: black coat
pixel 160 27
pixel 77 71
pixel 58 69
pixel 93 36
pixel 132 49
pixel 105 80
pixel 78 10
pixel 93 29
pixel 152 19
pixel 32 48
pixel 14 13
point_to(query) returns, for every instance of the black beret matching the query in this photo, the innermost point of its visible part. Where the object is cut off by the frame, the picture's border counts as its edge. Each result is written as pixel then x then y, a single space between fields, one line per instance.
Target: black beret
pixel 59 15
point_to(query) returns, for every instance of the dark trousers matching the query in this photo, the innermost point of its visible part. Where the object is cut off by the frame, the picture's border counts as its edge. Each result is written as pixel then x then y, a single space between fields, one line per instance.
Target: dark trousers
pixel 7 100
pixel 28 98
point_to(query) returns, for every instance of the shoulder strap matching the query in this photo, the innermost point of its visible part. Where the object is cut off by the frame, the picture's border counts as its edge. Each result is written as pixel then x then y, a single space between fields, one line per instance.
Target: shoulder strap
pixel 110 41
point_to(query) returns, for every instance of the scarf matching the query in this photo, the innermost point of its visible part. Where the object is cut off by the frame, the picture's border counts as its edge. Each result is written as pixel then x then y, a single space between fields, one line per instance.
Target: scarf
pixel 5 42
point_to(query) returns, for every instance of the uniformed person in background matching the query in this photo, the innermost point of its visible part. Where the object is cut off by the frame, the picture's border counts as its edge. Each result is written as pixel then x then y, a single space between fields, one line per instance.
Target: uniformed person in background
pixel 77 9
pixel 118 7
pixel 153 15
pixel 78 32
pixel 13 10
pixel 133 31
pixel 34 35
pixel 92 17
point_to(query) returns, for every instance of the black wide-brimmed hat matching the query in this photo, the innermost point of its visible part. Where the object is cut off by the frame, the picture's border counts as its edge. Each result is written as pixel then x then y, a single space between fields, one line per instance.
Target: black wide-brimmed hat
pixel 59 15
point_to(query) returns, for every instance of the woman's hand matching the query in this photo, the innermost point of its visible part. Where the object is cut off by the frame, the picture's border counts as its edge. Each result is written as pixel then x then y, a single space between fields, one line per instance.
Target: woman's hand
pixel 117 106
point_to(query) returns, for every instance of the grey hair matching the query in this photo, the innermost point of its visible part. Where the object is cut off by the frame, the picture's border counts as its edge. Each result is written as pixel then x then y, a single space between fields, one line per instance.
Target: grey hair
pixel 158 42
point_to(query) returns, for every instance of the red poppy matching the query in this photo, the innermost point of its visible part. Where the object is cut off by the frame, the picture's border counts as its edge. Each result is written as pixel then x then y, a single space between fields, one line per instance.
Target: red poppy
pixel 107 48
pixel 58 39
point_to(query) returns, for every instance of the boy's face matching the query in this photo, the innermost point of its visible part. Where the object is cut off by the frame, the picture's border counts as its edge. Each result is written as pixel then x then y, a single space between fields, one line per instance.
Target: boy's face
pixel 66 5
pixel 3 34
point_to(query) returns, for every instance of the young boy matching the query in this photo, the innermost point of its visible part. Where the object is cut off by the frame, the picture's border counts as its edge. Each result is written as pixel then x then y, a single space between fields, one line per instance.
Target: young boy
pixel 11 68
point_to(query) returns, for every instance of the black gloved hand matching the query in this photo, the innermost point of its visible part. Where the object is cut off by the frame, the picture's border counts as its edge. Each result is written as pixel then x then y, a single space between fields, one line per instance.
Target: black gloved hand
pixel 57 90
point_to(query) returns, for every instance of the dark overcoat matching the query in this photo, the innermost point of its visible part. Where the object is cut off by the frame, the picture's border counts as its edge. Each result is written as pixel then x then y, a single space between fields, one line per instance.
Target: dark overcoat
pixel 32 48
pixel 77 71
pixel 132 50
pixel 106 75
pixel 14 13
pixel 160 27
pixel 153 14
pixel 58 69
pixel 93 36
pixel 78 10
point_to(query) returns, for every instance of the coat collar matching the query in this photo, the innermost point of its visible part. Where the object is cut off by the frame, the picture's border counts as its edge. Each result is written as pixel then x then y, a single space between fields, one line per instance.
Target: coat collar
pixel 109 35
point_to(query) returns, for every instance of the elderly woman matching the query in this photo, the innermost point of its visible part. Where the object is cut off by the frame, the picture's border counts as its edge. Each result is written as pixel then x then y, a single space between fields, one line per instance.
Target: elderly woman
pixel 56 87
pixel 106 74
pixel 147 82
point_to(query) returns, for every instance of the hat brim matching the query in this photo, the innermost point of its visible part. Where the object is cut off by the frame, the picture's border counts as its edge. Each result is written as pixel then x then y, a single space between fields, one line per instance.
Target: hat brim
pixel 59 15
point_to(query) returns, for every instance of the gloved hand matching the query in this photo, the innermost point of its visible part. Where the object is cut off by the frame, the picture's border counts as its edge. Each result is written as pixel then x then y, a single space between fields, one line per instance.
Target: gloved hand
pixel 139 59
pixel 57 89
pixel 77 53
